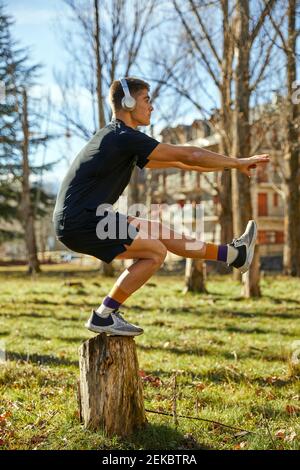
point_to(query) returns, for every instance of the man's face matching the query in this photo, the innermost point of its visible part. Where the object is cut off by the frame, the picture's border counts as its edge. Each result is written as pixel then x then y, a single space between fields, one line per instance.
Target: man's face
pixel 144 108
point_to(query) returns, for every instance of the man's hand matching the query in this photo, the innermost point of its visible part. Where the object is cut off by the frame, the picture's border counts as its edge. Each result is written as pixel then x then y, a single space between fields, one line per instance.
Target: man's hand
pixel 244 165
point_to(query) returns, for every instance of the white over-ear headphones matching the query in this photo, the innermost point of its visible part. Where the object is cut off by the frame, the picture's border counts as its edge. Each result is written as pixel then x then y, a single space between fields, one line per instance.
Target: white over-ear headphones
pixel 128 102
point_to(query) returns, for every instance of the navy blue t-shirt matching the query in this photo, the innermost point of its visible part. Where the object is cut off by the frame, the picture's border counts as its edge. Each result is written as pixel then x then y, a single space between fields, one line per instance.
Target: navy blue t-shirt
pixel 102 170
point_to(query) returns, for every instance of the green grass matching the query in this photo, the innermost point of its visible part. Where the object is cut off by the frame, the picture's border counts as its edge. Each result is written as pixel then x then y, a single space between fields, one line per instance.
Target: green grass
pixel 232 358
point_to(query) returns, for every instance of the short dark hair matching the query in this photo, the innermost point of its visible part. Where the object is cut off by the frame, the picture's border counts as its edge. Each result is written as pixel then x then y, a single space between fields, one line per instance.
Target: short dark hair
pixel 116 92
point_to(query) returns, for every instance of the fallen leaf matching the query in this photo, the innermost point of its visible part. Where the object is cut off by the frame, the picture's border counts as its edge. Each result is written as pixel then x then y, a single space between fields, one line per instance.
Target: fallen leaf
pixel 37 439
pixel 154 381
pixel 280 434
pixel 292 410
pixel 200 386
pixel 271 380
pixel 241 445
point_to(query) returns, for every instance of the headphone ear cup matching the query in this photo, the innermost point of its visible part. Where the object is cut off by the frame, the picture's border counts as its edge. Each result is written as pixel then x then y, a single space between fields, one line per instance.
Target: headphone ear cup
pixel 128 103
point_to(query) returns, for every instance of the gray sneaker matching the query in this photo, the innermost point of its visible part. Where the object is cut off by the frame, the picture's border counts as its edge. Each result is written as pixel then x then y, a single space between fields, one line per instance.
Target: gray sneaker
pixel 245 245
pixel 114 324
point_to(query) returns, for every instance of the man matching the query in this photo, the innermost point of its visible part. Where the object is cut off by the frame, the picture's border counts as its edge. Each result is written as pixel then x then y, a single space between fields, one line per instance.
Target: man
pixel 99 175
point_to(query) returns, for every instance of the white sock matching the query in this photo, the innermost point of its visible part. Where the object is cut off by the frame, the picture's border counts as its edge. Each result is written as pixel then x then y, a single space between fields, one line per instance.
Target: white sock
pixel 232 254
pixel 108 306
pixel 104 311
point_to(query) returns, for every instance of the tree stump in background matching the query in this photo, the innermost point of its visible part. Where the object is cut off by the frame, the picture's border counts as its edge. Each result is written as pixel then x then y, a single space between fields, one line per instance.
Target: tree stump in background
pixel 110 388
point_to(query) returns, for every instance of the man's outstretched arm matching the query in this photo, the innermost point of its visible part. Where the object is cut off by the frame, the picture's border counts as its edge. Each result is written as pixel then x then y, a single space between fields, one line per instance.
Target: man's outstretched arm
pixel 196 156
pixel 155 164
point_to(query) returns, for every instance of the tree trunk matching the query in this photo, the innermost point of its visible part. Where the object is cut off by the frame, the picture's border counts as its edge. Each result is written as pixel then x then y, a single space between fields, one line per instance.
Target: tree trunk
pixel 195 275
pixel 107 269
pixel 241 195
pixel 99 78
pixel 110 389
pixel 225 212
pixel 26 208
pixel 291 260
pixel 250 281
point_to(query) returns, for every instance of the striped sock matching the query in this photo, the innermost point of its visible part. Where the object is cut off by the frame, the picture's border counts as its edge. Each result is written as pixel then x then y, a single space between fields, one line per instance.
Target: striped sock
pixel 112 301
pixel 225 253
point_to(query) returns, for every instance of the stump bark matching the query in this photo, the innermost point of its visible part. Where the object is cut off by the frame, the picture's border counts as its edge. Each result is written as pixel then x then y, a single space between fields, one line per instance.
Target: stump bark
pixel 110 388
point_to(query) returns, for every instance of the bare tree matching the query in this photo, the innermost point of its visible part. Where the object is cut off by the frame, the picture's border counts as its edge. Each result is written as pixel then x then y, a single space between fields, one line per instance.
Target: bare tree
pixel 26 207
pixel 226 65
pixel 217 63
pixel 242 208
pixel 290 167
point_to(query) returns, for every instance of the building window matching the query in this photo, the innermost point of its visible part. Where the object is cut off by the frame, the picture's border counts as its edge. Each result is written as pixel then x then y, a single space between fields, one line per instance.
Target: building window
pixel 279 237
pixel 269 237
pixel 262 204
pixel 275 199
pixel 262 239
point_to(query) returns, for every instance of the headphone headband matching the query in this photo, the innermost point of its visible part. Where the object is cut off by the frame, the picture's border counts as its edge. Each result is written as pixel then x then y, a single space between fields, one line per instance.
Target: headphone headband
pixel 125 87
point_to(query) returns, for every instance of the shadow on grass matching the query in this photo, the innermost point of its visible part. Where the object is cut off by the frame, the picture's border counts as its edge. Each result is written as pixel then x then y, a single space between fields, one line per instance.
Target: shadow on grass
pixel 162 436
pixel 214 310
pixel 53 273
pixel 67 339
pixel 62 303
pixel 53 317
pixel 230 329
pixel 40 359
pixel 265 315
pixel 251 354
pixel 282 300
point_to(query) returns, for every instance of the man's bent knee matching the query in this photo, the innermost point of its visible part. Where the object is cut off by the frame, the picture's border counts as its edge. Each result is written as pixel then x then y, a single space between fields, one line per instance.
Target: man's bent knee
pixel 159 253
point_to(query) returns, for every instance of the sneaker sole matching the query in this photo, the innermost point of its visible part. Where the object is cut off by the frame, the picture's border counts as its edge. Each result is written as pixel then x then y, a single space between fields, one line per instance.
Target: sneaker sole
pixel 251 247
pixel 111 331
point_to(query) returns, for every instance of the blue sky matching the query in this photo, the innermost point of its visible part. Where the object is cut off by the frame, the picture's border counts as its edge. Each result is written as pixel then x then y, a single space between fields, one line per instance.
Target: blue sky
pixel 35 27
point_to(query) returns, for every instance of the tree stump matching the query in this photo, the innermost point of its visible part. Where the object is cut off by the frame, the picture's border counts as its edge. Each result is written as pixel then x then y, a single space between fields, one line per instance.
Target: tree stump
pixel 110 388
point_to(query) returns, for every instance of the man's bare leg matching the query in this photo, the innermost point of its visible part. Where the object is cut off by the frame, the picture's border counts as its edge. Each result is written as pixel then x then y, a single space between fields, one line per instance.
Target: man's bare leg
pixel 150 254
pixel 178 243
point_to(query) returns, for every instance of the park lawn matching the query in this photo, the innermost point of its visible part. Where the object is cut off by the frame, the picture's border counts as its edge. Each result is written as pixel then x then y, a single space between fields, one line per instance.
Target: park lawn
pixel 231 357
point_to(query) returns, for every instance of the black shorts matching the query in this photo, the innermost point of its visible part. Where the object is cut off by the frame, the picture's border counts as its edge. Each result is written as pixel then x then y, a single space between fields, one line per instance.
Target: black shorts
pixel 103 237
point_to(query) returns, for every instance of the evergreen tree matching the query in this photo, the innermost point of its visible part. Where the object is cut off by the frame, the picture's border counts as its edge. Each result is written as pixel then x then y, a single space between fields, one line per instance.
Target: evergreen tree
pixel 20 138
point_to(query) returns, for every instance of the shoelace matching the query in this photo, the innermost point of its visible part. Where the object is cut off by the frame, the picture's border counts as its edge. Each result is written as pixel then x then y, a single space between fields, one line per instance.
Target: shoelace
pixel 235 240
pixel 119 316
